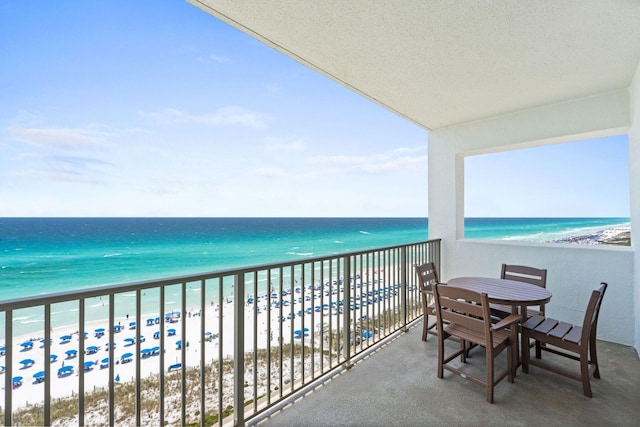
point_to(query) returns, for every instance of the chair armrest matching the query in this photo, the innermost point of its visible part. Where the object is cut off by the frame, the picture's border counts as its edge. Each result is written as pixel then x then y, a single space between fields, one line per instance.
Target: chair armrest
pixel 507 321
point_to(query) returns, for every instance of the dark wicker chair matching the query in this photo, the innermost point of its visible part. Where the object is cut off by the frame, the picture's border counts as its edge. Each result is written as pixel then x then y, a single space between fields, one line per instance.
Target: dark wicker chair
pixel 572 341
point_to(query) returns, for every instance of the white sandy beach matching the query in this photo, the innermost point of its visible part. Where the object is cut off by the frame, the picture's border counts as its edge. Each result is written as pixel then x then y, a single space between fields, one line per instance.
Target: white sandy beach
pixel 32 391
pixel 611 235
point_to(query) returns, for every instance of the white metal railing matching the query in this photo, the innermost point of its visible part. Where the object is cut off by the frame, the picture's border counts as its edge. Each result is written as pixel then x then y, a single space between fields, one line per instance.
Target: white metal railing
pixel 165 351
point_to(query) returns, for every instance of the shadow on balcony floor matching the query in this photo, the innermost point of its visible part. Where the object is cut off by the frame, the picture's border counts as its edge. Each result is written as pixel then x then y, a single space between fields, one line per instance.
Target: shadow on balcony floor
pixel 397 385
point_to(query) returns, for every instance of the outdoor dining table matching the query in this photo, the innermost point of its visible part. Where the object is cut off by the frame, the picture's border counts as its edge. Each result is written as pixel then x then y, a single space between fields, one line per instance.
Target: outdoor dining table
pixel 518 295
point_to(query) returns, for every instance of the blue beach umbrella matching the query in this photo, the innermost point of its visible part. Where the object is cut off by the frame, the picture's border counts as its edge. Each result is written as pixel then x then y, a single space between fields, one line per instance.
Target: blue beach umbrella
pixel 53 358
pixel 71 353
pixel 126 357
pixel 104 363
pixel 132 325
pixel 117 328
pixel 171 332
pixel 2 368
pixel 88 365
pixel 156 335
pixel 145 352
pixel 155 350
pixel 27 362
pixel 92 349
pixel 27 345
pixel 150 322
pixel 39 376
pixel 129 341
pixel 65 370
pixel 16 381
pixel 65 338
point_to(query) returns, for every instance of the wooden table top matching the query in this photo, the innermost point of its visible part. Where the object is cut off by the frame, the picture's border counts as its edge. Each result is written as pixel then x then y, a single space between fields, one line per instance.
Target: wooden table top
pixel 503 291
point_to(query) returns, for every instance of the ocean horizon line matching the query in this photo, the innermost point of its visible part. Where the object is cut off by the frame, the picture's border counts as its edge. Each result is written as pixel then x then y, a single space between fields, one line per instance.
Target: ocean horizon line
pixel 296 217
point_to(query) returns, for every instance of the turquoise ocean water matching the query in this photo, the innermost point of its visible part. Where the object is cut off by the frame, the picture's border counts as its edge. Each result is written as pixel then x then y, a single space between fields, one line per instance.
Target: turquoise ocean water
pixel 44 255
pixel 47 255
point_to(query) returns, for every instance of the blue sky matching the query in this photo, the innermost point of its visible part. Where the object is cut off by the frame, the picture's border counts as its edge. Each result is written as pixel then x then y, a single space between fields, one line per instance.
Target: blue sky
pixel 575 179
pixel 155 108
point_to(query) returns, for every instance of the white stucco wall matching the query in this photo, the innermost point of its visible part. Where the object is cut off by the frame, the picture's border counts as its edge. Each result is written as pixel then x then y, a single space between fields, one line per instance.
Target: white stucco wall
pixel 573 271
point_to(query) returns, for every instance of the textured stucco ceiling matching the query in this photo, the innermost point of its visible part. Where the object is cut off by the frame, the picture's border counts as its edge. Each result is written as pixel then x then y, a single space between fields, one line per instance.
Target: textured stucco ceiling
pixel 445 62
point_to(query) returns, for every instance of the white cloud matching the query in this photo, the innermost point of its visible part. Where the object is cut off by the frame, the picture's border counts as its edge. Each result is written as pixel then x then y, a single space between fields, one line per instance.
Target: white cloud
pixel 59 154
pixel 54 174
pixel 58 138
pixel 395 165
pixel 393 161
pixel 224 116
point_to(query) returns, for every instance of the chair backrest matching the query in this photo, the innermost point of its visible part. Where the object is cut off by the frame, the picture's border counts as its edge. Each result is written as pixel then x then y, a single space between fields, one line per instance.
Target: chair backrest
pixel 522 273
pixel 463 307
pixel 590 323
pixel 427 275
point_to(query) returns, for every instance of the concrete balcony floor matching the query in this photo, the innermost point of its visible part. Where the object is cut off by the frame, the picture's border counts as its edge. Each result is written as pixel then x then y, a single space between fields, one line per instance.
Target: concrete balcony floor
pixel 396 385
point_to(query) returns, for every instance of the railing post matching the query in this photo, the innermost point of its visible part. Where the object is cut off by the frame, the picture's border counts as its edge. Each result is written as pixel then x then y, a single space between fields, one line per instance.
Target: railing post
pixel 346 339
pixel 238 350
pixel 47 366
pixel 8 373
pixel 403 281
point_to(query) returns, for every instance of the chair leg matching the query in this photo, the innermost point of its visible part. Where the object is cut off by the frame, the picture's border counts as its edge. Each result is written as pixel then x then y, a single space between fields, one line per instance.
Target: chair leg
pixel 510 365
pixel 425 326
pixel 525 357
pixel 489 357
pixel 440 355
pixel 594 357
pixel 584 372
pixel 538 350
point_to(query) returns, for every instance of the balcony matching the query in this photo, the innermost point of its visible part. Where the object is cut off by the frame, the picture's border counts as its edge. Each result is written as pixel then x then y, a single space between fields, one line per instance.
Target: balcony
pixel 365 364
pixel 397 385
pixel 353 352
